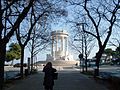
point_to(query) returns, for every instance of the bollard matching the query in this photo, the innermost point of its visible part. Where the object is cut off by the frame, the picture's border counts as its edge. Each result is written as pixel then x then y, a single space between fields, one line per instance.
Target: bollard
pixel 26 72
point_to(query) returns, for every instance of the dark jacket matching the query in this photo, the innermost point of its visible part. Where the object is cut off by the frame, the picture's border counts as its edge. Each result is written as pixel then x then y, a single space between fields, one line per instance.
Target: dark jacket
pixel 48 78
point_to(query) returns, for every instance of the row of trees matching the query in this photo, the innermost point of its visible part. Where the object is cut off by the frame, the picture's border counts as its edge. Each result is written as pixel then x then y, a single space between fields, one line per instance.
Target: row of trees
pixel 19 17
pixel 99 19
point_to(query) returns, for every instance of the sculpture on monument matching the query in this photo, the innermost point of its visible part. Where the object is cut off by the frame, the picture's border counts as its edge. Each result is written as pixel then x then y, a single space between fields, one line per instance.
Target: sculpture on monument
pixel 59 47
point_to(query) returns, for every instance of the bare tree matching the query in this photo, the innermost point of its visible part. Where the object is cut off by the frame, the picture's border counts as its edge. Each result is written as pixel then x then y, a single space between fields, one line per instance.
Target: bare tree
pixel 102 16
pixel 23 39
pixel 40 39
pixel 9 22
pixel 38 11
pixel 115 40
pixel 85 42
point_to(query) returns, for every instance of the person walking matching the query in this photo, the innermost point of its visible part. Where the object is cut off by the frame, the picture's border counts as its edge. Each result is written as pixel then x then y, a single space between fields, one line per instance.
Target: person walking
pixel 49 76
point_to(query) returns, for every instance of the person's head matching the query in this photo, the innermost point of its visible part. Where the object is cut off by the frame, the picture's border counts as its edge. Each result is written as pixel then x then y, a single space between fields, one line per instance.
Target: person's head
pixel 49 64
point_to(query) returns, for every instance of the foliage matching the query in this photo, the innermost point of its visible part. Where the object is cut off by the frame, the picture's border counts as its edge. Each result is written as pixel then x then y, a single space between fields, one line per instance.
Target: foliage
pixel 118 52
pixel 108 51
pixel 13 52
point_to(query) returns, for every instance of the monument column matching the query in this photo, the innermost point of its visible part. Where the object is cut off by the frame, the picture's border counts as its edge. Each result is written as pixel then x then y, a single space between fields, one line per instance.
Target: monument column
pixel 62 41
pixel 52 46
pixel 56 43
pixel 66 46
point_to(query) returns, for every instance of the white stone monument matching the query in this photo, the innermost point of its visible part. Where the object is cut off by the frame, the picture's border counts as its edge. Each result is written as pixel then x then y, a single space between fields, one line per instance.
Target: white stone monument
pixel 59 47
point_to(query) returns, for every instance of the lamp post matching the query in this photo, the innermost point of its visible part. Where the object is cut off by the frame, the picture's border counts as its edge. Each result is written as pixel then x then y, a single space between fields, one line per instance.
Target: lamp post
pixel 81 55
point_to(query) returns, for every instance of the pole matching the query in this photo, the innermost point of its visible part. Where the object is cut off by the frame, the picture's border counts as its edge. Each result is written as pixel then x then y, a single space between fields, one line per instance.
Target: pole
pixel 28 65
pixel 82 51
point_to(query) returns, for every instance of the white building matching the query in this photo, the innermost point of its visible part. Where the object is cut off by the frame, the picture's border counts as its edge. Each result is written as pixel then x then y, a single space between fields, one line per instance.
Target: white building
pixel 59 47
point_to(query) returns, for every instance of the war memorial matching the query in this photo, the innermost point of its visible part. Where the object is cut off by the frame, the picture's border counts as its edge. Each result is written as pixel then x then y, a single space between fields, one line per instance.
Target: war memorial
pixel 60 55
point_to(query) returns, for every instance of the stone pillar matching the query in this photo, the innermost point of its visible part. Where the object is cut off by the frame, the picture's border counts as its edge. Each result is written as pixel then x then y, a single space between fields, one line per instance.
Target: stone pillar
pixel 56 48
pixel 62 43
pixel 52 46
pixel 66 46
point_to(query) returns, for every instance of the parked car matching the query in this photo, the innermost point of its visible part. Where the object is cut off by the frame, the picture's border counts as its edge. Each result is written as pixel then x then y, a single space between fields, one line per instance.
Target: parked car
pixel 18 65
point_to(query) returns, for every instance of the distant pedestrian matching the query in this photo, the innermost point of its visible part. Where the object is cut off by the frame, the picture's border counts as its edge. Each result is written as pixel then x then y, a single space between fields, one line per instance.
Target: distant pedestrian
pixel 49 77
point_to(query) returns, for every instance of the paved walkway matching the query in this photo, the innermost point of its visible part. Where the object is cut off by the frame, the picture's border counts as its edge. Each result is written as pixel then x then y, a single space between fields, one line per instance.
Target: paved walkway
pixel 68 80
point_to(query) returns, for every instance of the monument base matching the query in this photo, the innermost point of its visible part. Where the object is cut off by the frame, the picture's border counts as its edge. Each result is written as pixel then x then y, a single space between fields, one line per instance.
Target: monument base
pixel 59 63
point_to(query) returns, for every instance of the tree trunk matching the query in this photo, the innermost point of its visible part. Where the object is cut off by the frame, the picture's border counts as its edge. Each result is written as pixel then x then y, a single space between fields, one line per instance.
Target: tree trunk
pixel 2 62
pixel 86 64
pixel 22 61
pixel 96 72
pixel 31 62
pixel 98 58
